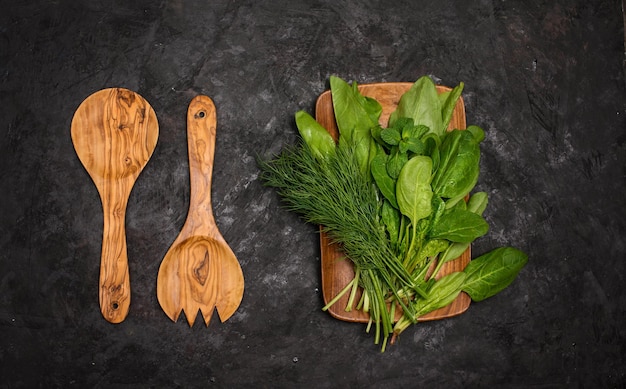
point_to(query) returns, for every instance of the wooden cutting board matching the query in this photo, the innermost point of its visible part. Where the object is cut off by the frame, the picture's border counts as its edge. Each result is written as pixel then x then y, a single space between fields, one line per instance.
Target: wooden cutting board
pixel 337 270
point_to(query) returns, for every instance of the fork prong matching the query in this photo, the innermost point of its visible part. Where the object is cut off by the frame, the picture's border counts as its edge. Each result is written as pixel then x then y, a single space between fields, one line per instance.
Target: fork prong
pixel 191 316
pixel 207 313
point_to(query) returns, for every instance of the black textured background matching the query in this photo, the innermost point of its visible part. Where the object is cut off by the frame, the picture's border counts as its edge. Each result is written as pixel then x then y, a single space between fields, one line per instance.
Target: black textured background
pixel 544 79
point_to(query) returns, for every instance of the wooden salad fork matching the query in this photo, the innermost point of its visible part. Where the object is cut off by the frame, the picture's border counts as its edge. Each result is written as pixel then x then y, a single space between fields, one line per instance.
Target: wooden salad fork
pixel 200 271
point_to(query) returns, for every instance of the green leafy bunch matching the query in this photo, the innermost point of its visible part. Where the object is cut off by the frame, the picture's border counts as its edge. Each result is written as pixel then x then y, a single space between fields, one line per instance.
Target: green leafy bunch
pixel 398 199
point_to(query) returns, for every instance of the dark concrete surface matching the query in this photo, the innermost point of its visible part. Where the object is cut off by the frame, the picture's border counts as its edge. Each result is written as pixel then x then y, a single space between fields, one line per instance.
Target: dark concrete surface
pixel 544 79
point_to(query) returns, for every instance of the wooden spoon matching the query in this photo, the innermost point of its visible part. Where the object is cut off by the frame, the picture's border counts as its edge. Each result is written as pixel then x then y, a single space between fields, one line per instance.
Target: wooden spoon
pixel 200 271
pixel 114 132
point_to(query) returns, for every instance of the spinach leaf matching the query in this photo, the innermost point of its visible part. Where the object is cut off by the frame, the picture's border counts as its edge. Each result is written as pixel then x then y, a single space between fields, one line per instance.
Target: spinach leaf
pixel 390 217
pixel 442 293
pixel 448 102
pixel 420 103
pixel 431 148
pixel 375 133
pixel 477 132
pixel 459 226
pixel 314 135
pixel 396 162
pixel 478 203
pixel 356 115
pixel 492 272
pixel 458 166
pixel 439 207
pixel 383 180
pixel 453 251
pixel 353 111
pixel 413 189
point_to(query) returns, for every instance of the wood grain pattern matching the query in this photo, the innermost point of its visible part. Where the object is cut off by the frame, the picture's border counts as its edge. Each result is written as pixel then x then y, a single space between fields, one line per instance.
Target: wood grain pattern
pixel 200 272
pixel 337 270
pixel 114 132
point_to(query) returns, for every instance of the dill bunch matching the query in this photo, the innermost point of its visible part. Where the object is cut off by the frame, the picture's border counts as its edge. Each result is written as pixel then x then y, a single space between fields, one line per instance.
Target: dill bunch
pixel 336 194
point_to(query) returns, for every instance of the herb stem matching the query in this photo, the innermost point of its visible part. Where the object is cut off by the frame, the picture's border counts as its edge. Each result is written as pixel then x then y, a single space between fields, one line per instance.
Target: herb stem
pixel 355 287
pixel 339 295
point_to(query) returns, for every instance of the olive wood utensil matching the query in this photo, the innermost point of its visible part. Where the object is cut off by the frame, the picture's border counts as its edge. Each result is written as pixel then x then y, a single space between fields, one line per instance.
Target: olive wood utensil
pixel 337 272
pixel 114 132
pixel 200 271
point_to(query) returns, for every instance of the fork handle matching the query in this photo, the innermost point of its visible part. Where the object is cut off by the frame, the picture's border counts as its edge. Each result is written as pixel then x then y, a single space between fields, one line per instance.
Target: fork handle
pixel 201 129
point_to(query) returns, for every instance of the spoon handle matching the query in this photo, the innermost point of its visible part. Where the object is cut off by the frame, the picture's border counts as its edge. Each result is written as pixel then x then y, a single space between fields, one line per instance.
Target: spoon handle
pixel 114 290
pixel 201 127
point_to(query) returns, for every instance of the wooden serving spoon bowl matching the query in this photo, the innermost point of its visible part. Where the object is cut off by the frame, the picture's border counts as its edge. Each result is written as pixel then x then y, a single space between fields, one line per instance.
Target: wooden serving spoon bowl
pixel 114 132
pixel 200 272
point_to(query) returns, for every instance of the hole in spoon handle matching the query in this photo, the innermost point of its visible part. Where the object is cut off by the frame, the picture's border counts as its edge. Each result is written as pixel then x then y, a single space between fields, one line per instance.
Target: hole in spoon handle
pixel 114 297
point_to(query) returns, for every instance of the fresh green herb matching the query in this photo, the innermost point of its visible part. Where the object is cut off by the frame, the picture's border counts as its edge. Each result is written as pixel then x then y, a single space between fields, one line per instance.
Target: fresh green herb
pixel 316 136
pixel 492 272
pixel 385 182
pixel 421 104
pixel 336 194
pixel 458 168
pixel 356 116
pixel 459 225
pixel 392 197
pixel 442 293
